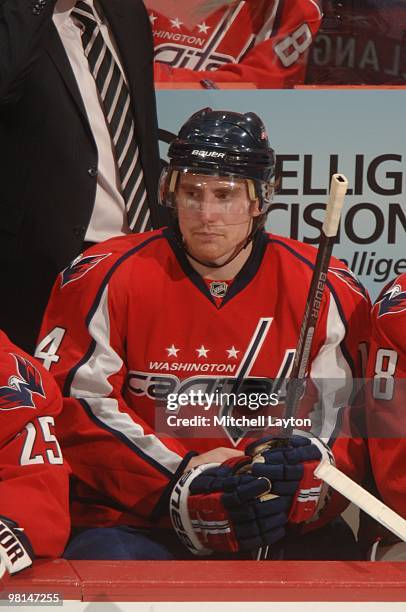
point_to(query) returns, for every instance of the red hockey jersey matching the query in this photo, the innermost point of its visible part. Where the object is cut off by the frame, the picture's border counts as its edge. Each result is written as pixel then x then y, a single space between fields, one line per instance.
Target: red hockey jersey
pixel 387 369
pixel 33 474
pixel 130 322
pixel 264 42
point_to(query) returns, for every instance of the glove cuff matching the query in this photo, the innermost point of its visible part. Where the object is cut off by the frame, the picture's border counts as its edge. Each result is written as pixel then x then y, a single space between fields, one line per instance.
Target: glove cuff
pixel 326 455
pixel 179 513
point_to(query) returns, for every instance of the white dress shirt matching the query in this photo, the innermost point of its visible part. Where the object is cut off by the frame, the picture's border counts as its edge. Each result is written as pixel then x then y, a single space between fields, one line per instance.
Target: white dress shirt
pixel 109 216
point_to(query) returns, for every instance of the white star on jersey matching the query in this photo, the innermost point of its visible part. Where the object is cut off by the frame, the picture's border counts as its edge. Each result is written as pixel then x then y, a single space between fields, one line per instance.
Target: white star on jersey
pixel 202 351
pixel 232 352
pixel 203 28
pixel 176 23
pixel 152 18
pixel 172 351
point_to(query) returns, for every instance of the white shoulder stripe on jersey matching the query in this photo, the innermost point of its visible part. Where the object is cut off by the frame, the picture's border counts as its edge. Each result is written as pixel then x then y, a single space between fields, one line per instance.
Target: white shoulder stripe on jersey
pixel 91 384
pixel 332 376
pixel 267 28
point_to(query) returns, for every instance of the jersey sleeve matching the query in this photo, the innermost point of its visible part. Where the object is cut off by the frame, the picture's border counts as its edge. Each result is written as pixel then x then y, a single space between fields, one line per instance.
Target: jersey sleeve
pixel 276 57
pixel 337 369
pixel 112 447
pixel 387 397
pixel 33 474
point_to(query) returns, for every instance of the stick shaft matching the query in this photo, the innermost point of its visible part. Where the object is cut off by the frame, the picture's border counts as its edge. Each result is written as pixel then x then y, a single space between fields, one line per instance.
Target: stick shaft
pixel 362 498
pixel 338 189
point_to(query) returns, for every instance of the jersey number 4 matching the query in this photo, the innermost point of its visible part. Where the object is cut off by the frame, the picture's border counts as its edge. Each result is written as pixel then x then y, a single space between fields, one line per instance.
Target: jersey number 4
pixel 48 347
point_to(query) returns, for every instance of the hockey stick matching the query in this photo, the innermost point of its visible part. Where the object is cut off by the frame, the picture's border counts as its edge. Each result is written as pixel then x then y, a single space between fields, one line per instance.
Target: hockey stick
pixel 362 498
pixel 338 188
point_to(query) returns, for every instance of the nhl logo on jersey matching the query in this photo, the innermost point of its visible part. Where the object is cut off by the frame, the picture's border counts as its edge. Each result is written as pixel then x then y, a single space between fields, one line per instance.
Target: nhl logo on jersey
pixel 218 289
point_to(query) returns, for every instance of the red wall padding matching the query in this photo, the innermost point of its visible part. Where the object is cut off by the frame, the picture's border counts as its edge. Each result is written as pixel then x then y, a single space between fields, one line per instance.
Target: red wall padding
pixel 214 580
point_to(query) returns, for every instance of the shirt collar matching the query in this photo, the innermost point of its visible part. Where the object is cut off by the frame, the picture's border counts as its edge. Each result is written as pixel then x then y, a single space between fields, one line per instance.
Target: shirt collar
pixel 63 9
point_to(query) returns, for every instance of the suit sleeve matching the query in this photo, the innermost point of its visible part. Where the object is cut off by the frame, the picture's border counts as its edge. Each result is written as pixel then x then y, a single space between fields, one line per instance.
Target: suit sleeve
pixel 276 60
pixel 23 25
pixel 111 446
pixel 33 474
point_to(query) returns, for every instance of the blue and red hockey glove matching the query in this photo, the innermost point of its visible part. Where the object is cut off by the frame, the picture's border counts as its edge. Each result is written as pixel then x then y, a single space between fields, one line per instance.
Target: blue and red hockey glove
pixel 246 503
pixel 289 464
pixel 214 508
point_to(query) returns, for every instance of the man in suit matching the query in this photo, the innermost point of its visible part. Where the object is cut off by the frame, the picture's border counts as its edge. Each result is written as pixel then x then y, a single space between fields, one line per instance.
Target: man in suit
pixel 79 157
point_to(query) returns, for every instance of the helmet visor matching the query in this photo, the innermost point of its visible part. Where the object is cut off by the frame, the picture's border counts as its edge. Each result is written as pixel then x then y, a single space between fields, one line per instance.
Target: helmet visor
pixel 230 198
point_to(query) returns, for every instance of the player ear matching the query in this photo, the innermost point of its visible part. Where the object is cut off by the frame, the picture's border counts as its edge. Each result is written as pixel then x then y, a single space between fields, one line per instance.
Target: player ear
pixel 254 208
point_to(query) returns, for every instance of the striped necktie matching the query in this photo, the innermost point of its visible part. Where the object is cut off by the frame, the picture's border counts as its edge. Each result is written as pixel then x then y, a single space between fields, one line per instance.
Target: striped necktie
pixel 115 100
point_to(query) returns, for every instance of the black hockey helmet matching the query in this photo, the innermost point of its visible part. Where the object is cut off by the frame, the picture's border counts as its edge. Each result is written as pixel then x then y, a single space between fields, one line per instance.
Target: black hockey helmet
pixel 222 143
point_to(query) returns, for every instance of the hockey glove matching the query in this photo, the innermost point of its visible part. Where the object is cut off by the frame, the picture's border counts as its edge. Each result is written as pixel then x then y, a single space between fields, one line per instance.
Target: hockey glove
pixel 289 465
pixel 15 550
pixel 213 508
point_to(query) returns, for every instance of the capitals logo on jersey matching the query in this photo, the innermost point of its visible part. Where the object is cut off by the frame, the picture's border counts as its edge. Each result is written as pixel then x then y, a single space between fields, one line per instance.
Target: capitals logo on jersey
pixel 392 301
pixel 79 267
pixel 21 386
pixel 229 381
pixel 194 46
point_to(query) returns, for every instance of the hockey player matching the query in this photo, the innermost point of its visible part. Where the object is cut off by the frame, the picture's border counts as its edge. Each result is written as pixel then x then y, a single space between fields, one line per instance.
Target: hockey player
pixel 34 509
pixel 387 423
pixel 138 323
pixel 265 42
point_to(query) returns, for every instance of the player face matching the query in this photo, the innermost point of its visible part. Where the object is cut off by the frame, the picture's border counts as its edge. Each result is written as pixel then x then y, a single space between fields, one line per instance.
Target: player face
pixel 215 215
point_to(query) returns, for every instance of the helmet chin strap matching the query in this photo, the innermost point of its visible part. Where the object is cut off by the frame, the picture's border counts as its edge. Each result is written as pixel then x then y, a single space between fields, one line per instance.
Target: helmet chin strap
pixel 240 247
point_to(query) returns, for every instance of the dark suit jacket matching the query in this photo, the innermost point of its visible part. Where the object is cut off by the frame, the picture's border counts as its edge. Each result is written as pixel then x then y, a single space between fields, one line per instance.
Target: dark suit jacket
pixel 48 155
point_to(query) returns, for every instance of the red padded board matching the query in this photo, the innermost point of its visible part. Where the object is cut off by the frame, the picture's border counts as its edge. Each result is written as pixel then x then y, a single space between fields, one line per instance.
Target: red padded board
pixel 213 580
pixel 56 576
pixel 241 581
